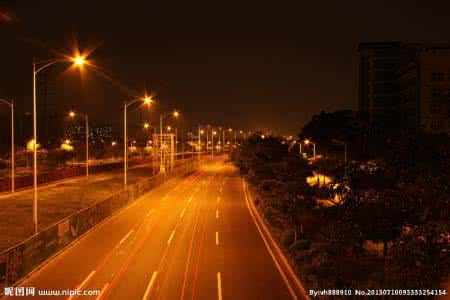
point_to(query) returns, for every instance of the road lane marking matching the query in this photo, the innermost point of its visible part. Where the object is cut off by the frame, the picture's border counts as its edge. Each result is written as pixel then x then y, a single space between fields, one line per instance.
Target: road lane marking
pixel 221 189
pixel 188 260
pixel 83 284
pixel 218 199
pixel 102 291
pixel 217 238
pixel 125 237
pixel 171 237
pixel 139 244
pixel 182 213
pixel 190 199
pixel 217 213
pixel 256 216
pixel 219 286
pixel 149 213
pixel 165 197
pixel 150 285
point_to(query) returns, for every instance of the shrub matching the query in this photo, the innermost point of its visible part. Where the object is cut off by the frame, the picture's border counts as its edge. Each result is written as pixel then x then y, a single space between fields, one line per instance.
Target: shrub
pixel 287 237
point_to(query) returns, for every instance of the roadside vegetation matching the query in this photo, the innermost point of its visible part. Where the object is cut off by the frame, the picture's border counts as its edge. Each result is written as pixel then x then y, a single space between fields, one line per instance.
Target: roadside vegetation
pixel 386 225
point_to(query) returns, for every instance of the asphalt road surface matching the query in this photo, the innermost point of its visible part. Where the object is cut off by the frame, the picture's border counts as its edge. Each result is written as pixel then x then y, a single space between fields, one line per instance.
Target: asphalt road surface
pixel 191 238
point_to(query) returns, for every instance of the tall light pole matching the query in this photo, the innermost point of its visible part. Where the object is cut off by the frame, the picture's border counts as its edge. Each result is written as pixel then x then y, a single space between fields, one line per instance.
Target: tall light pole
pixel 223 140
pixel 78 61
pixel 175 114
pixel 212 142
pixel 72 114
pixel 11 106
pixel 146 100
pixel 169 129
pixel 345 148
pixel 200 132
pixel 314 147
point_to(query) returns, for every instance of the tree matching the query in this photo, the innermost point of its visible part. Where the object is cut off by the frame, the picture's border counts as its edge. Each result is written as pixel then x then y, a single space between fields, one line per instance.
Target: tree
pixel 326 129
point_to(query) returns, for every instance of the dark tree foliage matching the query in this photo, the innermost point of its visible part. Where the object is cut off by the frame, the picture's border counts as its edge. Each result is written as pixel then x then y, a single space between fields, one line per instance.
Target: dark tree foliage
pixel 329 129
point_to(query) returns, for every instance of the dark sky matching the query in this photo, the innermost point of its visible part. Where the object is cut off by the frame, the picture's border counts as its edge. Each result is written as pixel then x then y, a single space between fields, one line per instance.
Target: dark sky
pixel 245 64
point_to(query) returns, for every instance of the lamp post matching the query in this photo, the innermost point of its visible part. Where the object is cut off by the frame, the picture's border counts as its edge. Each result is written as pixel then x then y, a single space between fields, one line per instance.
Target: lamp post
pixel 78 61
pixel 212 142
pixel 11 106
pixel 146 100
pixel 169 129
pixel 314 147
pixel 345 148
pixel 72 114
pixel 176 114
pixel 223 140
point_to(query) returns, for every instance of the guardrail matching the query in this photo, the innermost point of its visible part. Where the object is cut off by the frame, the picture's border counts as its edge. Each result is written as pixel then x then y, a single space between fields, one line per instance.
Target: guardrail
pixel 18 261
pixel 51 176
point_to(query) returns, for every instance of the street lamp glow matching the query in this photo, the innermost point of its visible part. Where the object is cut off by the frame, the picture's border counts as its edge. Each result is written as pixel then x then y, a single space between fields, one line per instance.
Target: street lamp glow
pixel 176 114
pixel 230 130
pixel 148 100
pixel 79 61
pixel 214 132
pixel 169 128
pixel 307 141
pixel 67 141
pixel 146 125
pixel 113 143
pixel 72 114
pixel 202 131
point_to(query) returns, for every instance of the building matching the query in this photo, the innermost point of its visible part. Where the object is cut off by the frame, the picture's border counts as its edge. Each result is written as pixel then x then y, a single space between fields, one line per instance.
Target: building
pixel 97 135
pixel 404 86
pixel 425 90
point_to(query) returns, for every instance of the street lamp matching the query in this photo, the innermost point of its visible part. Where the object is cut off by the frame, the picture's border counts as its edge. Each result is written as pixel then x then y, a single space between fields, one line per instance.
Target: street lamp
pixel 200 133
pixel 314 147
pixel 146 100
pixel 11 106
pixel 175 114
pixel 212 142
pixel 72 114
pixel 77 61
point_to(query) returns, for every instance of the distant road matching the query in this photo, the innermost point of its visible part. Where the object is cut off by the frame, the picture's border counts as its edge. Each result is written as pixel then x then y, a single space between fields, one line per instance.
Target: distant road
pixel 191 238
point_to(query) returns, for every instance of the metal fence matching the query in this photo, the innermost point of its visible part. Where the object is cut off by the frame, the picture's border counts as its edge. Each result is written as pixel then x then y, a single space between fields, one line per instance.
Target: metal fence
pixel 51 176
pixel 20 260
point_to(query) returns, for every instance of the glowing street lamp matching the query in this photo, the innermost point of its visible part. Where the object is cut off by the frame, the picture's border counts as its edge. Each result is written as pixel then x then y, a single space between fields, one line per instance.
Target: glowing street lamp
pixel 11 106
pixel 212 142
pixel 175 114
pixel 314 147
pixel 77 61
pixel 146 100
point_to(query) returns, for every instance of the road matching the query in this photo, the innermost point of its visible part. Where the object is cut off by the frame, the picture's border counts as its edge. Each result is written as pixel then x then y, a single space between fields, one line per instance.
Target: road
pixel 191 238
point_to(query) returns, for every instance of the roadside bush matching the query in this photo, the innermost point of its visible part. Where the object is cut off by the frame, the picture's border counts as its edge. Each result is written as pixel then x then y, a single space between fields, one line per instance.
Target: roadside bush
pixel 300 245
pixel 287 238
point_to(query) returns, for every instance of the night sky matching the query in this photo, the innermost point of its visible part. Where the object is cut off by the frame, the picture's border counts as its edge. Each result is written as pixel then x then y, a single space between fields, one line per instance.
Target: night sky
pixel 244 64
